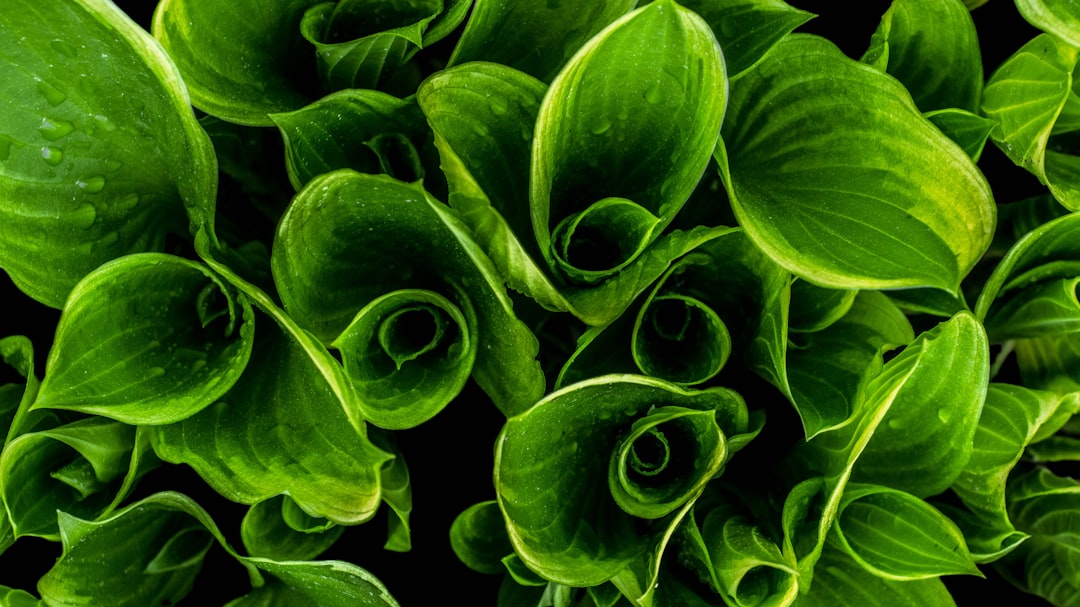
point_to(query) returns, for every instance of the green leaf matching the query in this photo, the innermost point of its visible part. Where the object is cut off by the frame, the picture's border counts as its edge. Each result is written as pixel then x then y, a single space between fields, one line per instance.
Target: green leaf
pixel 335 259
pixel 1049 308
pixel 478 537
pixel 267 533
pixel 324 136
pixel 827 371
pixel 916 423
pixel 969 131
pixel 1050 362
pixel 361 43
pixel 11 597
pixel 78 468
pixel 1025 96
pixel 815 308
pixel 898 536
pixel 642 145
pixel 17 352
pixel 281 429
pixel 1046 506
pixel 1057 17
pixel 92 167
pixel 147 554
pixel 238 68
pixel 1011 419
pixel 910 210
pixel 323 583
pixel 931 47
pixel 839 581
pixel 561 518
pixel 748 29
pixel 147 339
pixel 396 492
pixel 536 38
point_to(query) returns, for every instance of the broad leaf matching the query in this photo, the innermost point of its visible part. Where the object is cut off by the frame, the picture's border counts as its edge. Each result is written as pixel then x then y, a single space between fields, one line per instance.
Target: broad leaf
pixel 78 468
pixel 478 537
pixel 839 581
pixel 748 29
pixel 1027 95
pixel 238 68
pixel 815 308
pixel 562 520
pixel 146 554
pixel 1058 17
pixel 969 131
pixel 92 167
pixel 391 277
pixel 931 47
pixel 534 37
pixel 324 136
pixel 910 210
pixel 611 165
pixel 282 416
pixel 323 583
pixel 898 536
pixel 147 339
pixel 268 530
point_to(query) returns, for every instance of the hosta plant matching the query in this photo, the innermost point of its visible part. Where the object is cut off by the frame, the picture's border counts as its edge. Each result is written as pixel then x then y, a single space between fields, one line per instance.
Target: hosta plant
pixel 618 303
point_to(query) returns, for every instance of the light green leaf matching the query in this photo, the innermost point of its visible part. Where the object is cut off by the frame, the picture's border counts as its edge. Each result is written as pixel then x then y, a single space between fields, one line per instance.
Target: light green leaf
pixel 322 583
pixel 12 597
pixel 266 532
pixel 353 243
pixel 282 428
pixel 1058 17
pixel 324 136
pixel 969 131
pixel 1025 96
pixel 78 468
pixel 146 554
pixel 1010 420
pixel 931 47
pixel 841 582
pixel 642 145
pixel 562 520
pixel 827 371
pixel 1049 308
pixel 478 537
pixel 536 38
pixel 898 536
pixel 748 29
pixel 911 210
pixel 238 68
pixel 17 352
pixel 100 153
pixel 147 339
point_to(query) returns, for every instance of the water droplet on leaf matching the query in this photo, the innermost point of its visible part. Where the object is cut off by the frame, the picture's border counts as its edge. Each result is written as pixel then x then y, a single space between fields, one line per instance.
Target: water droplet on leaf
pixel 5 147
pixel 601 127
pixel 84 216
pixel 55 128
pixel 653 94
pixel 64 48
pixel 52 94
pixel 93 185
pixel 52 155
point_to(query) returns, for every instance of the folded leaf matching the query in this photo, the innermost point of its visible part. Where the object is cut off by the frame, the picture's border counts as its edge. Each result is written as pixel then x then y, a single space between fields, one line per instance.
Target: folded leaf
pixel 1058 17
pixel 748 29
pixel 898 536
pixel 391 277
pixel 642 144
pixel 147 339
pixel 323 583
pixel 909 210
pixel 238 68
pixel 282 428
pixel 841 582
pixel 1027 95
pixel 534 37
pixel 478 537
pixel 266 531
pixel 92 167
pixel 562 519
pixel 969 131
pixel 931 47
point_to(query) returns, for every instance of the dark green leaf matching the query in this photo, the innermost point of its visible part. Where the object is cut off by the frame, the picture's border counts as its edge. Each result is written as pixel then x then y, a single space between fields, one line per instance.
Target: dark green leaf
pixel 266 533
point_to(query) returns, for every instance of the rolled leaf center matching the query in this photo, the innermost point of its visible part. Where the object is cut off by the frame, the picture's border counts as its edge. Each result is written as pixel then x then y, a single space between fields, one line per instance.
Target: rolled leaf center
pixel 650 453
pixel 601 240
pixel 411 332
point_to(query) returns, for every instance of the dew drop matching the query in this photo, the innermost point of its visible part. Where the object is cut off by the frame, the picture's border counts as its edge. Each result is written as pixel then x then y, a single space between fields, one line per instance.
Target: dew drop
pixel 498 107
pixel 5 147
pixel 109 239
pixel 944 415
pixel 52 94
pixel 113 165
pixel 481 129
pixel 91 185
pixel 653 94
pixel 54 128
pixel 600 127
pixel 896 424
pixel 125 204
pixel 52 155
pixel 84 216
pixel 104 122
pixel 64 48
